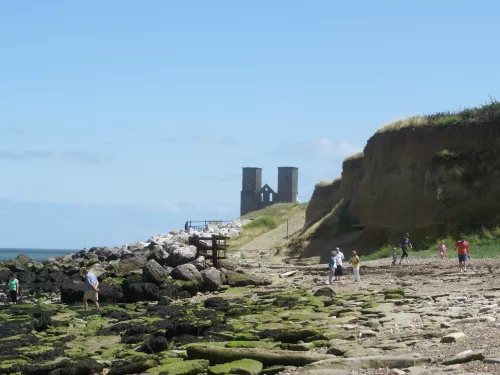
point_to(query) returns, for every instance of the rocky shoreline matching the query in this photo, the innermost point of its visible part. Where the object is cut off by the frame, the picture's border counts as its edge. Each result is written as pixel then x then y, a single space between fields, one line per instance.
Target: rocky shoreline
pixel 165 312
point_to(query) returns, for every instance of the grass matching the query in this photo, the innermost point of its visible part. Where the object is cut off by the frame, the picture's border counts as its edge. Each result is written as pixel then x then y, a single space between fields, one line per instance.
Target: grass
pixel 482 244
pixel 265 220
pixel 358 155
pixel 488 113
pixel 327 183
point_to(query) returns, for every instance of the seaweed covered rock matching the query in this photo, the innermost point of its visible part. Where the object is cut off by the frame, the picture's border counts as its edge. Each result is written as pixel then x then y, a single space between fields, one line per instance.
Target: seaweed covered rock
pixel 80 367
pixel 72 292
pixel 219 355
pixel 184 320
pixel 217 303
pixel 135 290
pixel 176 289
pixel 243 366
pixel 129 264
pixel 155 344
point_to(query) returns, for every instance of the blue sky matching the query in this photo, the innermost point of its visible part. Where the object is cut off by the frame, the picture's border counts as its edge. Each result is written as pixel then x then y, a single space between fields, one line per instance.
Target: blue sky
pixel 123 119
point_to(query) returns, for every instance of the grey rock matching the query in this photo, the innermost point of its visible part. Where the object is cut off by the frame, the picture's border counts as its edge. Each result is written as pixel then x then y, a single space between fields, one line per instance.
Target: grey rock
pixel 211 279
pixel 127 265
pixel 187 272
pixel 181 255
pixel 154 272
pixel 453 337
pixel 199 263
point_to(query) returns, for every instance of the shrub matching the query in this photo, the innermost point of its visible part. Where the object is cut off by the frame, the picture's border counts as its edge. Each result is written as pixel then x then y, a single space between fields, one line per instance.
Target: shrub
pixel 262 222
pixel 447 155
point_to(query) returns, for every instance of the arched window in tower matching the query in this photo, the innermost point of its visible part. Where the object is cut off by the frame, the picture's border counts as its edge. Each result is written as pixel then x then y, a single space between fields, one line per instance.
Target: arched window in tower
pixel 262 197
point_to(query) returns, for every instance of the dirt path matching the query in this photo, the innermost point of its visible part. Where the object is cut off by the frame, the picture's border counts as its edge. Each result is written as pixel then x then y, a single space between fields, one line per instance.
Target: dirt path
pixel 277 236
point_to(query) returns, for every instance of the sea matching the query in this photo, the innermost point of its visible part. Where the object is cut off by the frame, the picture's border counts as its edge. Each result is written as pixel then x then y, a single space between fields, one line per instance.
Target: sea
pixel 35 254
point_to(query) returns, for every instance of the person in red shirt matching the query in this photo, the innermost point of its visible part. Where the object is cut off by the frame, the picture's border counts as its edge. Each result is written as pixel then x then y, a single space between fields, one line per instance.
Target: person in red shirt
pixel 463 253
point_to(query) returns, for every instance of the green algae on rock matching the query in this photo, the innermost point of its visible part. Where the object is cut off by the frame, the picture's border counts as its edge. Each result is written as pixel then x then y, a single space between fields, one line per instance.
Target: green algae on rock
pixel 242 366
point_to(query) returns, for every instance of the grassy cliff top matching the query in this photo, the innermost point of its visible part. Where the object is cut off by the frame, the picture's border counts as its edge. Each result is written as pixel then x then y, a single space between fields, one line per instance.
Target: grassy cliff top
pixel 487 113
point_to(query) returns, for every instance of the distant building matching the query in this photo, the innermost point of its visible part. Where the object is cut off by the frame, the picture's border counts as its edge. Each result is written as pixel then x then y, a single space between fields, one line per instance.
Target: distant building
pixel 254 196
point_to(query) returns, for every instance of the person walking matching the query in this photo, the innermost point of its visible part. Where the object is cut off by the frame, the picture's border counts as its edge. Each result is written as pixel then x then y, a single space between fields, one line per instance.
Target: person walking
pixel 394 256
pixel 442 250
pixel 463 253
pixel 91 290
pixel 333 265
pixel 405 243
pixel 355 266
pixel 339 257
pixel 13 287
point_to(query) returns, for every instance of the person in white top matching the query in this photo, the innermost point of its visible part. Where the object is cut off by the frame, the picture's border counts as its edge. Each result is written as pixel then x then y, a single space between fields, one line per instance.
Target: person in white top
pixel 339 257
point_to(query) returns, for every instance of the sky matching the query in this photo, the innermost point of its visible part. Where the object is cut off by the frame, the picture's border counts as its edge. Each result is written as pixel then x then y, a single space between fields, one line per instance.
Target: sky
pixel 122 119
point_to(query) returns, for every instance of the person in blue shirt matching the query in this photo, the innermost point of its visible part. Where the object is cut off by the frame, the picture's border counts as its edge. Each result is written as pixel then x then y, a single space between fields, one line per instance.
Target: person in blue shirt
pixel 405 243
pixel 91 290
pixel 333 265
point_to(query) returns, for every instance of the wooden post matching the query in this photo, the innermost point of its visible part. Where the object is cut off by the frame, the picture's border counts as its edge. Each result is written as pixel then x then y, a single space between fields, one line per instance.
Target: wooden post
pixel 287 231
pixel 214 251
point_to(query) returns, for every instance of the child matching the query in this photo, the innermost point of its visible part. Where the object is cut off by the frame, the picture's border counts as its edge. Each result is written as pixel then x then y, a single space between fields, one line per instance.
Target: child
pixel 442 250
pixel 355 266
pixel 394 256
pixel 333 266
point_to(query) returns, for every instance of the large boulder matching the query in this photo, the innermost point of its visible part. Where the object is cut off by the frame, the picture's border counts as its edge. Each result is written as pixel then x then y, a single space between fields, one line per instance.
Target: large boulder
pixel 181 255
pixel 129 264
pixel 72 292
pixel 211 279
pixel 154 272
pixel 187 272
pixel 158 254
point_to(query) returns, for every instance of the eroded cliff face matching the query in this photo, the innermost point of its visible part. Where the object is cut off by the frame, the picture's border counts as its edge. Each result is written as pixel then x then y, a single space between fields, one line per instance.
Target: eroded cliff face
pixel 422 180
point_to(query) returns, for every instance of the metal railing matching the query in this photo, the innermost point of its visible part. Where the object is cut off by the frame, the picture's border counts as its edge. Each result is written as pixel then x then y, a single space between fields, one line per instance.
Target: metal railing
pixel 201 225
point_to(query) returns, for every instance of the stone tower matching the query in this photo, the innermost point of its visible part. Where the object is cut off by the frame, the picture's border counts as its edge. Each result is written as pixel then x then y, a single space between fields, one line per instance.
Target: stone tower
pixel 250 190
pixel 288 178
pixel 254 196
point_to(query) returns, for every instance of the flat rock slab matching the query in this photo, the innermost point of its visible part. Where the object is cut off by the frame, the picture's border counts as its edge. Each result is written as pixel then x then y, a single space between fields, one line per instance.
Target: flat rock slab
pixel 453 337
pixel 464 357
pixel 358 363
pixel 492 360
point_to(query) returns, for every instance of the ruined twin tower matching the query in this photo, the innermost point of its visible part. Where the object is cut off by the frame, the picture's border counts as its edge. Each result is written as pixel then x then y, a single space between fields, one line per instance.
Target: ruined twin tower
pixel 254 196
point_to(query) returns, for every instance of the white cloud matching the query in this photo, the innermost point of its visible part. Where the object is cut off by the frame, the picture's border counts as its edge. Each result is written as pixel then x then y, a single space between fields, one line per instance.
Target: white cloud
pixel 325 148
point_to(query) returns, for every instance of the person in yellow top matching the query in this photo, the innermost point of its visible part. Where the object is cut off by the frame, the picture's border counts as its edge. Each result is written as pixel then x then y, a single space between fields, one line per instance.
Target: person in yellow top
pixel 355 266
